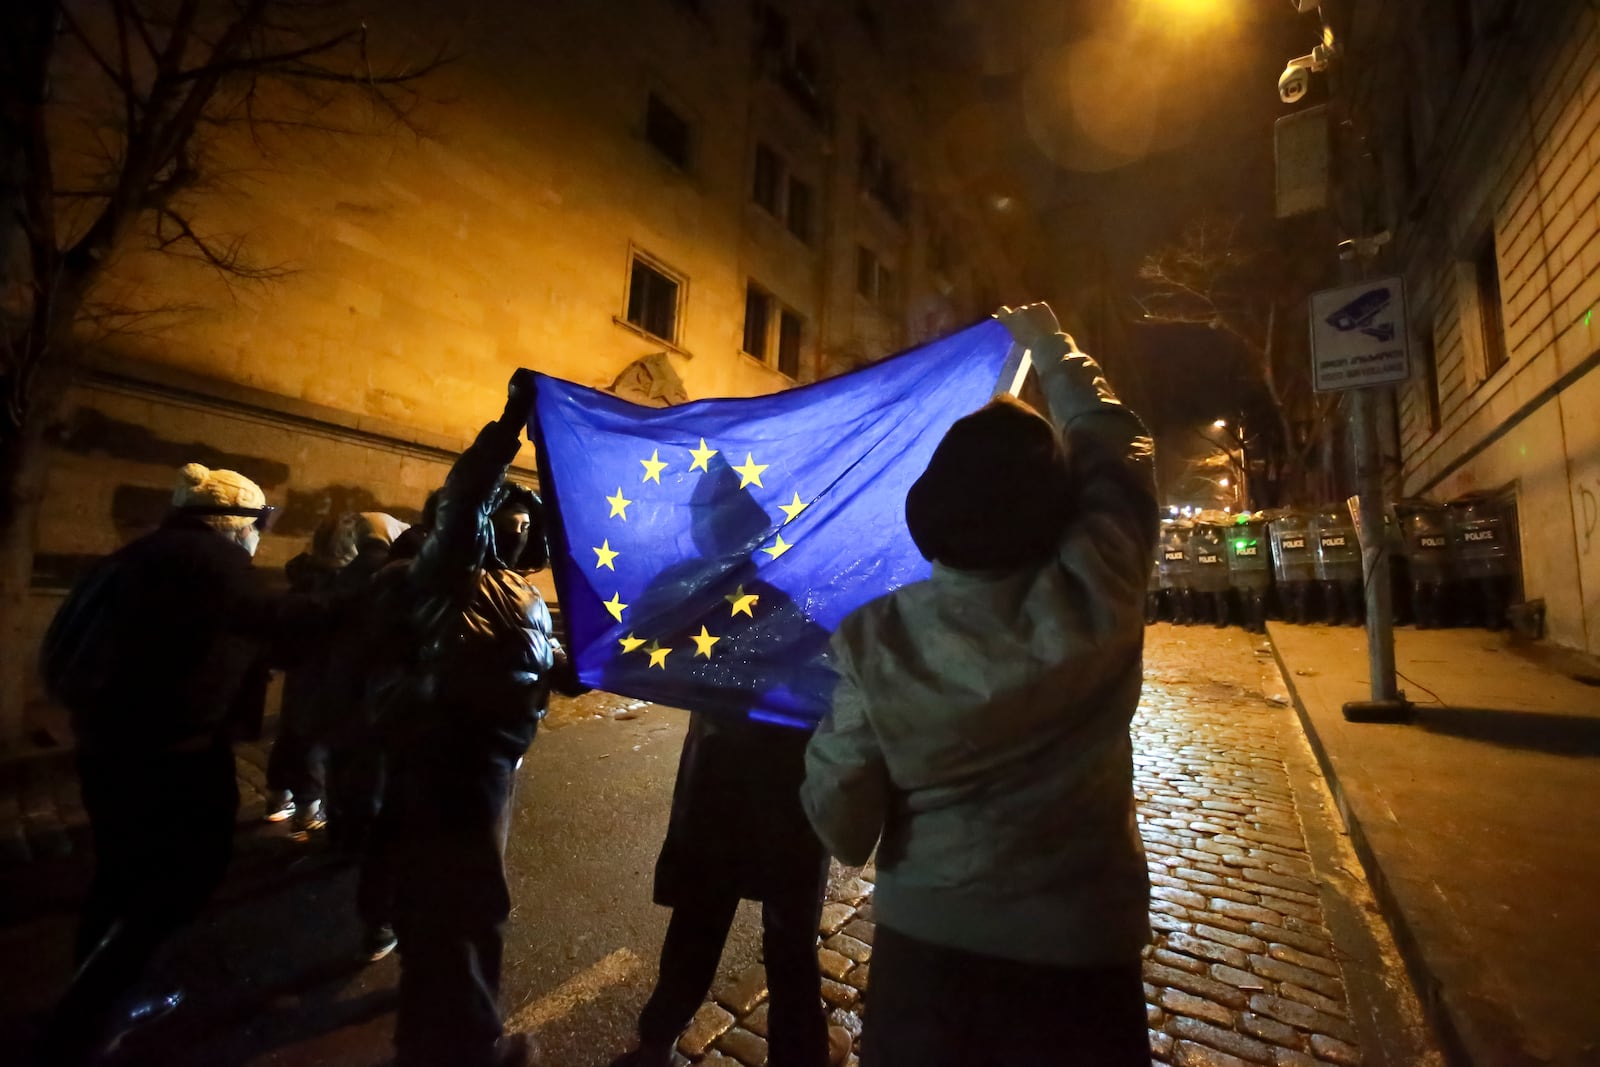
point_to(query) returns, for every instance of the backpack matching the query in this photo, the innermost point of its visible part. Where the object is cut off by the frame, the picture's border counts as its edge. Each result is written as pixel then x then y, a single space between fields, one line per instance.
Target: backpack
pixel 80 658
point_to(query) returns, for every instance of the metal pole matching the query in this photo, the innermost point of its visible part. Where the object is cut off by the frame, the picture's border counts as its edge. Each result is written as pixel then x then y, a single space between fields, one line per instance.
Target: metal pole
pixel 1374 554
pixel 1385 704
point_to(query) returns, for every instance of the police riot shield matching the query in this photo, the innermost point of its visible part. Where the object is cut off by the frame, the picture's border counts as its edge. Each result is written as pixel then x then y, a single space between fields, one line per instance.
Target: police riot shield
pixel 1338 566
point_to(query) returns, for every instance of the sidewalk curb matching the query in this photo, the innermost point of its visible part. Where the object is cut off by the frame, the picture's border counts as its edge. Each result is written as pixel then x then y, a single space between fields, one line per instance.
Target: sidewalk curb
pixel 1452 1027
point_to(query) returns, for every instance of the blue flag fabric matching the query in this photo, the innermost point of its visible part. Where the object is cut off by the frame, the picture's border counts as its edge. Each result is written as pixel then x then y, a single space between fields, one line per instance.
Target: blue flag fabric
pixel 703 554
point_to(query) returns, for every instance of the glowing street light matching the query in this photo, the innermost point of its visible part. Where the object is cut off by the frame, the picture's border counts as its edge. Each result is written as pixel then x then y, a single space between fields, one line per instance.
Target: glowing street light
pixel 1220 424
pixel 1223 482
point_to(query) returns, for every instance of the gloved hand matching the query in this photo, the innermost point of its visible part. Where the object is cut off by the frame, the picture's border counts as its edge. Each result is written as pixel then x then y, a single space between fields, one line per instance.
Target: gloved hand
pixel 520 395
pixel 1033 324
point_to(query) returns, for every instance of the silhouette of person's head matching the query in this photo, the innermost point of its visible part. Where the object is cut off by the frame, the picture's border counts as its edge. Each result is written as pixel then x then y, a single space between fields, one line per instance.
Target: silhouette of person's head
pixel 727 523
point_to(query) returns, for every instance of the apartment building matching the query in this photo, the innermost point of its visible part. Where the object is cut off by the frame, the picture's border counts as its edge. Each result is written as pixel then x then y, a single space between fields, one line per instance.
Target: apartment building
pixel 1483 117
pixel 670 199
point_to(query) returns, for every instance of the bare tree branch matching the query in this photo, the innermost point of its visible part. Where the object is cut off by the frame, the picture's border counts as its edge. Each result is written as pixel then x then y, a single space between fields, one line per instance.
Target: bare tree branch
pixel 174 232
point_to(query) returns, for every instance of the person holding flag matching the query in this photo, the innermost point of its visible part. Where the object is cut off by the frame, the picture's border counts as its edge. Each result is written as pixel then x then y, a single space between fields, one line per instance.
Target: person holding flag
pixel 978 738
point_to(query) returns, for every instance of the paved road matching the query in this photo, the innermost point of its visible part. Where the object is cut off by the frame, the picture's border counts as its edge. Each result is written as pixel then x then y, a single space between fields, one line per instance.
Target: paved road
pixel 1265 951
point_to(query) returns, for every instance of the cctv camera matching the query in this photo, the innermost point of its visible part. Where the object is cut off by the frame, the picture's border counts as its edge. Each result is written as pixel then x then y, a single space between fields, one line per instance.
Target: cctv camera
pixel 1295 81
pixel 1293 84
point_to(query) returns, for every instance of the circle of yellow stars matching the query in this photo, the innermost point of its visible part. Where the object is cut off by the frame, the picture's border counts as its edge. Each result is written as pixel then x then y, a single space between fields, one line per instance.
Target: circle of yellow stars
pixel 739 601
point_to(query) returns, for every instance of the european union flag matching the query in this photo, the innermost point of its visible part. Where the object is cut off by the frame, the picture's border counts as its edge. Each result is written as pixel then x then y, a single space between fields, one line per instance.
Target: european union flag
pixel 703 554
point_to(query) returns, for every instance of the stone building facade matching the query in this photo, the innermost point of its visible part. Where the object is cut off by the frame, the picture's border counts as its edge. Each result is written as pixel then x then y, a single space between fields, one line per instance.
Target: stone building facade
pixel 1485 117
pixel 676 199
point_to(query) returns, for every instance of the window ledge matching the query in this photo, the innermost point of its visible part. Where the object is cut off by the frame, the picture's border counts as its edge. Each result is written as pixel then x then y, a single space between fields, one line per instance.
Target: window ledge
pixel 768 367
pixel 670 346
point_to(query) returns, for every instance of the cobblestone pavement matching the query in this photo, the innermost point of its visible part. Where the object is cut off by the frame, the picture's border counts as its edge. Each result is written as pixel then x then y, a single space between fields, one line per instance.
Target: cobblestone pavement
pixel 1243 968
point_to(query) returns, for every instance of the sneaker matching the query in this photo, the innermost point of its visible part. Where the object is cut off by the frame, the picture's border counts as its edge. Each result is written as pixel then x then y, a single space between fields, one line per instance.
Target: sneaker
pixel 280 805
pixel 307 817
pixel 379 942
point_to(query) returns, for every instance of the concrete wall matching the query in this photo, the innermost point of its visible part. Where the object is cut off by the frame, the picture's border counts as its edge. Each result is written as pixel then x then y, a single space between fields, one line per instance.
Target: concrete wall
pixel 421 267
pixel 1504 137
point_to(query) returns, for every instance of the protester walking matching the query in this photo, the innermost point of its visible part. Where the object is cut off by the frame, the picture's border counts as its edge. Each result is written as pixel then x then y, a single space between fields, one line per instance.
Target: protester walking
pixel 470 703
pixel 150 655
pixel 979 738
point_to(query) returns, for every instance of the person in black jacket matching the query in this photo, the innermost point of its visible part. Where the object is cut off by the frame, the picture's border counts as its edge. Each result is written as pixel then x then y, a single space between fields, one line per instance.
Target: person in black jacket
pixel 150 654
pixel 485 659
pixel 298 763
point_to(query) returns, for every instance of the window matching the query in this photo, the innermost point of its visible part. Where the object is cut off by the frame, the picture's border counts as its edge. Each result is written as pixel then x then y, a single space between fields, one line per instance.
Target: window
pixel 874 281
pixel 799 213
pixel 757 320
pixel 790 328
pixel 768 179
pixel 764 315
pixel 879 177
pixel 1428 357
pixel 866 272
pixel 782 194
pixel 653 295
pixel 867 159
pixel 668 131
pixel 1486 273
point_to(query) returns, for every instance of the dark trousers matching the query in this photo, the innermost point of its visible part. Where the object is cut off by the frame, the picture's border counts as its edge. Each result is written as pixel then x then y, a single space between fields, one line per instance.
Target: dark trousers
pixel 442 836
pixel 296 763
pixel 796 1026
pixel 932 1006
pixel 162 823
pixel 354 793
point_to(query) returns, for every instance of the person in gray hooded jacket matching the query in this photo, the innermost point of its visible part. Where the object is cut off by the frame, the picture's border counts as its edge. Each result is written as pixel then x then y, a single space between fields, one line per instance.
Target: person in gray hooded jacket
pixel 978 737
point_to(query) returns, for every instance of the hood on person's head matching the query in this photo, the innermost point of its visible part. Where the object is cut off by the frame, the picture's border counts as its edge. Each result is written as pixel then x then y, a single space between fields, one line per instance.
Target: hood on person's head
pixel 517 518
pixel 333 539
pixel 225 500
pixel 378 526
pixel 995 495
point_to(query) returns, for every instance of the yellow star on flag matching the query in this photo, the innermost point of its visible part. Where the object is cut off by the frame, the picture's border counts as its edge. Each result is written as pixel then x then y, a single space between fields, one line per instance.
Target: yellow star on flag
pixel 742 602
pixel 653 467
pixel 658 655
pixel 750 473
pixel 630 643
pixel 703 642
pixel 793 508
pixel 702 456
pixel 779 547
pixel 605 554
pixel 619 505
pixel 615 606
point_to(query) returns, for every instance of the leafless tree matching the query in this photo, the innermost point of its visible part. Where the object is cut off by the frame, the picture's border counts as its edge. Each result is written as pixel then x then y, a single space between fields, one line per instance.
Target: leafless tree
pixel 1215 277
pixel 111 117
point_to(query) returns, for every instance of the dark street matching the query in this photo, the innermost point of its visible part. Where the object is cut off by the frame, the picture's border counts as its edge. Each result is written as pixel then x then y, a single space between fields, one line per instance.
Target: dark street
pixel 273 980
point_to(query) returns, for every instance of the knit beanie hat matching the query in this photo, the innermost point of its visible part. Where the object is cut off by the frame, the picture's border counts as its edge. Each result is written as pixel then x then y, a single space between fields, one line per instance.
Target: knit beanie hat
pixel 995 495
pixel 202 487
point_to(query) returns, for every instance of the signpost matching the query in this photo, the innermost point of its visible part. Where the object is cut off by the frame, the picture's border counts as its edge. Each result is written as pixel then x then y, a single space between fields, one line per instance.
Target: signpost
pixel 1358 336
pixel 1359 344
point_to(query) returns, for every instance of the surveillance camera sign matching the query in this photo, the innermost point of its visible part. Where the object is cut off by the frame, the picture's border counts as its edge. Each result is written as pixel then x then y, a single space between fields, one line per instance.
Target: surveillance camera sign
pixel 1358 336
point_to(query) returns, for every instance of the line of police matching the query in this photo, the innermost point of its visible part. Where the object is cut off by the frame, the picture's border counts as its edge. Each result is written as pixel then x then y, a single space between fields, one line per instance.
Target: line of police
pixel 1454 566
